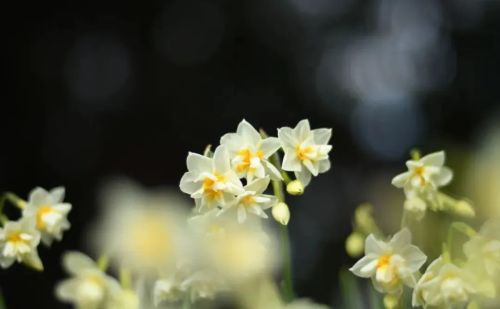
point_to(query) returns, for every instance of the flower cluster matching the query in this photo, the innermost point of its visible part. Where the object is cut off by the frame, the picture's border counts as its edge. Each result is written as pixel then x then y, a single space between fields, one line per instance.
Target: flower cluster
pixel 43 219
pixel 463 274
pixel 214 180
pixel 167 257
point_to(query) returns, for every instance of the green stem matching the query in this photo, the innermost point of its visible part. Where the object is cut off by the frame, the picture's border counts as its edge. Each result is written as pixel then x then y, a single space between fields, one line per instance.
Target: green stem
pixel 288 292
pixel 103 262
pixel 287 286
pixel 125 278
pixel 404 219
pixel 186 303
pixel 16 200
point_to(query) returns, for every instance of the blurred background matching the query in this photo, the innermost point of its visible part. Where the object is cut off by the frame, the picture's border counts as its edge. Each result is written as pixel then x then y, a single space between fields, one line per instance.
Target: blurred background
pixel 99 89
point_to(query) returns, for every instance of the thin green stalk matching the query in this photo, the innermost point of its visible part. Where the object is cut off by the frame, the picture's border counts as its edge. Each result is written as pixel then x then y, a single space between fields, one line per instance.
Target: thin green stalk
pixel 287 264
pixel 16 200
pixel 186 303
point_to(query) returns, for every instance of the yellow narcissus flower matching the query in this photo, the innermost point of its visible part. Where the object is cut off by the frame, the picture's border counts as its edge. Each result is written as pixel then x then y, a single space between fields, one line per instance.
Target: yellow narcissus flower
pixel 306 150
pixel 210 181
pixel 18 242
pixel 49 211
pixel 250 152
pixel 390 264
pixel 89 287
pixel 252 201
pixel 143 231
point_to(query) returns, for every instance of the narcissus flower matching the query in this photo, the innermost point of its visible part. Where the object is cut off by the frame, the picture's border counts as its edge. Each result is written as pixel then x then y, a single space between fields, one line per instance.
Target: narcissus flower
pixel 89 287
pixel 485 247
pixel 211 181
pixel 252 200
pixel 443 285
pixel 390 264
pixel 424 176
pixel 236 252
pixel 49 212
pixel 250 152
pixel 145 231
pixel 306 150
pixel 18 242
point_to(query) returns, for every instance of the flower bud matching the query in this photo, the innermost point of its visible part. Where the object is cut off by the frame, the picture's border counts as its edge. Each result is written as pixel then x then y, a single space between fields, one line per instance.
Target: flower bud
pixel 281 213
pixel 416 206
pixel 464 209
pixel 354 244
pixel 295 187
pixel 391 301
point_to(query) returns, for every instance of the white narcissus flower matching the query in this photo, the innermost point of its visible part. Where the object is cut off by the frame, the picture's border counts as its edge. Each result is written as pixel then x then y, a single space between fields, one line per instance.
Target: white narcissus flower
pixel 143 230
pixel 485 247
pixel 424 176
pixel 443 285
pixel 252 200
pixel 390 264
pixel 211 181
pixel 18 242
pixel 89 287
pixel 50 213
pixel 250 152
pixel 306 150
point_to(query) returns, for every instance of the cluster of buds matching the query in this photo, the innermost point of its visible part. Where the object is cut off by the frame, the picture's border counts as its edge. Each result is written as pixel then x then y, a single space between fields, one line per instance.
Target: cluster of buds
pixel 463 274
pixel 43 219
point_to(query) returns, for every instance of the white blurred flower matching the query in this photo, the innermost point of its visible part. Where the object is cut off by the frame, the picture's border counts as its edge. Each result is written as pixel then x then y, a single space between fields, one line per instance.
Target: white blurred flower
pixel 485 247
pixel 49 212
pixel 424 176
pixel 250 152
pixel 252 200
pixel 89 287
pixel 210 181
pixel 443 285
pixel 145 231
pixel 18 242
pixel 306 150
pixel 390 264
pixel 123 299
pixel 236 252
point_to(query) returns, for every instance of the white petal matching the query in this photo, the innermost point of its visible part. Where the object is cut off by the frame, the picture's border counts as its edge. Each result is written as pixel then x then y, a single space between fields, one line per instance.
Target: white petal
pixel 313 167
pixel 258 186
pixel 443 177
pixel 374 246
pixel 269 146
pixel 435 158
pixel 304 177
pixel 322 136
pixel 248 132
pixel 287 137
pixel 75 262
pixel 324 166
pixel 290 162
pixel 198 164
pixel 57 194
pixel 302 130
pixel 187 184
pixel 242 214
pixel 400 180
pixel 272 170
pixel 365 267
pixel 414 257
pixel 221 160
pixel 39 196
pixel 400 240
